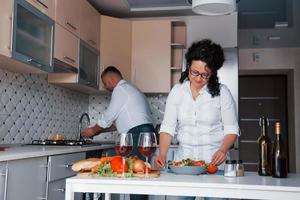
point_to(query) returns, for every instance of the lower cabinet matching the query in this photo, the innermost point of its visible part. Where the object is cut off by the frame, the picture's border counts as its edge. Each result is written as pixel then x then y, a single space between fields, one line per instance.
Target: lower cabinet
pixel 59 170
pixel 3 180
pixel 27 179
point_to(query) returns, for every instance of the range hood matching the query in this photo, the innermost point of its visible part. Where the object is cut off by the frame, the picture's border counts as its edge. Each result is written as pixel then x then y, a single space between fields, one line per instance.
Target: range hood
pixel 62 67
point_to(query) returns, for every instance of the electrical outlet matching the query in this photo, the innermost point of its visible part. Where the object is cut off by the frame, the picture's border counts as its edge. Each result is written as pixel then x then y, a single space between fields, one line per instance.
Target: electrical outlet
pixel 255 56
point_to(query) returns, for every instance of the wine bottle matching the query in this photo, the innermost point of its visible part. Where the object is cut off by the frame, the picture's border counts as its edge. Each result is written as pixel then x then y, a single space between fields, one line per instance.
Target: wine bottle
pixel 264 150
pixel 279 158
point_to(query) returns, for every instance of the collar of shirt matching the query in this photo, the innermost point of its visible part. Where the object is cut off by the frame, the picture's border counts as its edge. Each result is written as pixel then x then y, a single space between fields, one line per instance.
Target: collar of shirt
pixel 120 82
pixel 188 88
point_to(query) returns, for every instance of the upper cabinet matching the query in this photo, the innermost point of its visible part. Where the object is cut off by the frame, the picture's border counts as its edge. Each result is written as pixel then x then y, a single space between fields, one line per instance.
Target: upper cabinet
pixel 45 6
pixel 66 46
pixel 67 14
pixel 89 23
pixel 151 55
pixel 115 44
pixel 178 45
pixel 6 15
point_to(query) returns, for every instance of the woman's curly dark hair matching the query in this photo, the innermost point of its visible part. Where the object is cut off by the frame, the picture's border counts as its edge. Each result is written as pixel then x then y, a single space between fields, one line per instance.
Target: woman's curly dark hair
pixel 210 53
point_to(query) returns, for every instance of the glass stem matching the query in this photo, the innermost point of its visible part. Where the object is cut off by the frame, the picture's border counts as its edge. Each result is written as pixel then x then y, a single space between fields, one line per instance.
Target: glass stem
pixel 123 166
pixel 147 174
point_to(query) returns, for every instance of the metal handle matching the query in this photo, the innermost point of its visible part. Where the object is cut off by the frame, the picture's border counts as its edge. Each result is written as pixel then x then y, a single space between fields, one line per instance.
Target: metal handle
pixel 67 58
pixel 67 165
pixel 30 60
pixel 92 42
pixel 43 4
pixel 71 25
pixel 42 198
pixel 61 189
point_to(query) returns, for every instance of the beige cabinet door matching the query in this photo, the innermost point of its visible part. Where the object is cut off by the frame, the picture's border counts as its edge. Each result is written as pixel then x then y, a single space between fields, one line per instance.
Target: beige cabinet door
pixel 6 12
pixel 45 6
pixel 151 55
pixel 67 14
pixel 89 24
pixel 115 45
pixel 66 46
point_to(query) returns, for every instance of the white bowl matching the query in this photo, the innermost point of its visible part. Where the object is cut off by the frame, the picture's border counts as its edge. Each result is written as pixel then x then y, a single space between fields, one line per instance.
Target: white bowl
pixel 189 170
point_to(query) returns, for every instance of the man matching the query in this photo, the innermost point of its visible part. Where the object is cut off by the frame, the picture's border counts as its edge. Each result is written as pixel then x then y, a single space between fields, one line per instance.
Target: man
pixel 128 109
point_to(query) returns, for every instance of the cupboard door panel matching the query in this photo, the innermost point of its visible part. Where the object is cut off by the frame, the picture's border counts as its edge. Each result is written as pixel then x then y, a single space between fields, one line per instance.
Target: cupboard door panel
pixel 66 47
pixel 151 55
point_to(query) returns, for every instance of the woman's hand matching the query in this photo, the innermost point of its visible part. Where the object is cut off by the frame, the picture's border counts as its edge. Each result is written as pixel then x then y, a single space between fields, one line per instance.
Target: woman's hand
pixel 159 162
pixel 218 158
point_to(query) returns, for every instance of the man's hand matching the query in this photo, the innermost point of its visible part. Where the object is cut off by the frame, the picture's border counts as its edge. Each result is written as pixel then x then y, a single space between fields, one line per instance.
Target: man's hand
pixel 159 162
pixel 91 131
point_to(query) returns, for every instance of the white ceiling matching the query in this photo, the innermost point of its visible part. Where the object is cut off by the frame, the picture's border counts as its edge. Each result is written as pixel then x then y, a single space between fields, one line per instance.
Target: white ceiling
pixel 252 13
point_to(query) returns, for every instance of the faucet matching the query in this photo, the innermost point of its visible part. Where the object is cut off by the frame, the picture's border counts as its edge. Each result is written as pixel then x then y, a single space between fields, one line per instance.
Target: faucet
pixel 80 123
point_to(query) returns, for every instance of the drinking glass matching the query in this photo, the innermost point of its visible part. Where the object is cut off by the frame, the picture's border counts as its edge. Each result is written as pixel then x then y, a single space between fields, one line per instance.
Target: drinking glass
pixel 123 147
pixel 146 146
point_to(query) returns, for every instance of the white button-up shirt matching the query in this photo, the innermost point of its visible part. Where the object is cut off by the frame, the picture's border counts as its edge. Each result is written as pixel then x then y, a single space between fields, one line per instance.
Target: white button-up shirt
pixel 200 124
pixel 128 108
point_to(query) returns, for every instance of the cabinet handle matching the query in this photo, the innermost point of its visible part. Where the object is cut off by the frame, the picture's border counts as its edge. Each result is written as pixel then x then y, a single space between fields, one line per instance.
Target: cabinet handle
pixel 67 165
pixel 67 58
pixel 43 4
pixel 5 182
pixel 71 25
pixel 30 60
pixel 92 42
pixel 61 189
pixel 42 198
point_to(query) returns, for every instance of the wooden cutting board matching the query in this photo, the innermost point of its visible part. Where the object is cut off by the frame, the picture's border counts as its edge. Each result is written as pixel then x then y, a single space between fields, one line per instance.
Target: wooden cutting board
pixel 153 174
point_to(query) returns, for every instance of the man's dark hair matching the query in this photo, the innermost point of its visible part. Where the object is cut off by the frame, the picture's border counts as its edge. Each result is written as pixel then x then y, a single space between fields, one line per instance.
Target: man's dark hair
pixel 111 69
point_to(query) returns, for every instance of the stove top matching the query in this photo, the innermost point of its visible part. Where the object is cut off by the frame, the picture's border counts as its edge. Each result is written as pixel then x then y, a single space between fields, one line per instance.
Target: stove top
pixel 62 142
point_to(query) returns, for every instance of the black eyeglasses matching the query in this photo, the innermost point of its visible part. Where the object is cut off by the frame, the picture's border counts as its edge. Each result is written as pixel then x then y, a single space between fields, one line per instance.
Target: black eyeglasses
pixel 204 75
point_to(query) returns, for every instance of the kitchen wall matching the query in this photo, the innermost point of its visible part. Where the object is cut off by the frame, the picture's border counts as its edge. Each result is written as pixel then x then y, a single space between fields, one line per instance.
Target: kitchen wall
pixel 279 60
pixel 30 108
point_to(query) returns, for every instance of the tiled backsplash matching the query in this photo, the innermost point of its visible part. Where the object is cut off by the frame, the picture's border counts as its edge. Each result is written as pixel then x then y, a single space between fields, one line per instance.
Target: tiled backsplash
pixel 98 103
pixel 30 108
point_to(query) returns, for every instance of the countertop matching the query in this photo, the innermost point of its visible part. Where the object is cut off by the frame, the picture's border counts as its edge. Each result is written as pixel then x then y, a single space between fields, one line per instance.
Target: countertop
pixel 250 186
pixel 21 151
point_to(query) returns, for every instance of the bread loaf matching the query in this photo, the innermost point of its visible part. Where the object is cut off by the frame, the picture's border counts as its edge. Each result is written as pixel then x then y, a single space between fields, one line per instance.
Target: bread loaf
pixel 86 164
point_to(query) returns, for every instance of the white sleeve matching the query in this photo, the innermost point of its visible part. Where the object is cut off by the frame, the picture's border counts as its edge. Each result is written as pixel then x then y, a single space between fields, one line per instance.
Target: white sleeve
pixel 228 112
pixel 117 103
pixel 170 117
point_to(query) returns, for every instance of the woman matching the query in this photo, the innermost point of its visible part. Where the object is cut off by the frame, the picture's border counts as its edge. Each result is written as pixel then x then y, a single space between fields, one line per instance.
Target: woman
pixel 200 109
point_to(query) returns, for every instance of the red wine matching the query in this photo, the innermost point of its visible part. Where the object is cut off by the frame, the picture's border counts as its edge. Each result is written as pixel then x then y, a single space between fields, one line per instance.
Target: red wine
pixel 123 150
pixel 264 150
pixel 279 158
pixel 146 151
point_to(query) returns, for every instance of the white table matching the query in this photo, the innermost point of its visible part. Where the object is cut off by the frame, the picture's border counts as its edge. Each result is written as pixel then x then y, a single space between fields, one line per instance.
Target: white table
pixel 251 186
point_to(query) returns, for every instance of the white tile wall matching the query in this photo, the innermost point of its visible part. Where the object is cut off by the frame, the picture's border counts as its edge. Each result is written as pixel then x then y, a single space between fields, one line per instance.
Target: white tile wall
pixel 30 108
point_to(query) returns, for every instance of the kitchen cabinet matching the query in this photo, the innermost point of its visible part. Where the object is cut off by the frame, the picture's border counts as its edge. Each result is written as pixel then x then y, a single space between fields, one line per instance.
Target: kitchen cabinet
pixel 59 170
pixel 178 45
pixel 151 55
pixel 89 23
pixel 115 45
pixel 67 15
pixel 3 180
pixel 27 179
pixel 6 13
pixel 66 46
pixel 87 78
pixel 45 6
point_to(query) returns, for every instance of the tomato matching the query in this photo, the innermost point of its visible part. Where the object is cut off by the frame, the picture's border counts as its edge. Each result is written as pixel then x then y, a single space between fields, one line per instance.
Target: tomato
pixel 117 166
pixel 211 169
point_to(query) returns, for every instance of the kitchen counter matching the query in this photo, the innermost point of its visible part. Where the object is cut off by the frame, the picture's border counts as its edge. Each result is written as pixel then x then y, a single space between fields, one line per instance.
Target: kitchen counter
pixel 250 186
pixel 14 152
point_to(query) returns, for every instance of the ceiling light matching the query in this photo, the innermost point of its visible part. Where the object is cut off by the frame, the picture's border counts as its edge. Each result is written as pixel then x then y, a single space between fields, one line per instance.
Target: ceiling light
pixel 214 7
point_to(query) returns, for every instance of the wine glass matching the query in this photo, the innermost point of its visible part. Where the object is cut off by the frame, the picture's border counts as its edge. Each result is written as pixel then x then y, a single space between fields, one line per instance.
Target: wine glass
pixel 123 147
pixel 146 146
